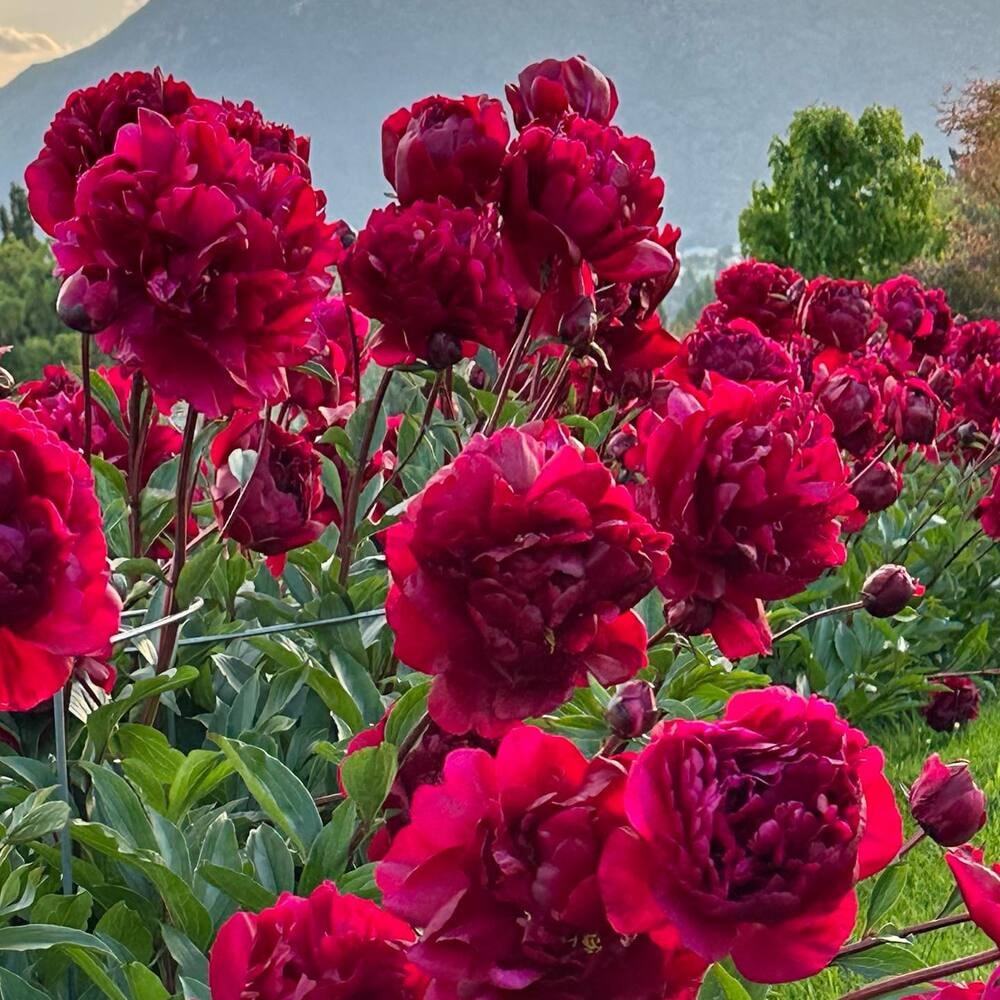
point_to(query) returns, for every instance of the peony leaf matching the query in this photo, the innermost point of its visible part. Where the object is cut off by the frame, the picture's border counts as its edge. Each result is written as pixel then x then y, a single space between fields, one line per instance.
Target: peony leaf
pixel 329 854
pixel 13 987
pixel 277 790
pixel 368 775
pixel 95 973
pixel 38 937
pixel 885 894
pixel 244 890
pixel 144 984
pixel 125 925
pixel 719 984
pixel 271 859
pixel 883 960
pixel 201 771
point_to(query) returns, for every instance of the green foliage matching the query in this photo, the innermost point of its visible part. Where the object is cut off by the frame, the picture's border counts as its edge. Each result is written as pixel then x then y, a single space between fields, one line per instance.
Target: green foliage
pixel 850 199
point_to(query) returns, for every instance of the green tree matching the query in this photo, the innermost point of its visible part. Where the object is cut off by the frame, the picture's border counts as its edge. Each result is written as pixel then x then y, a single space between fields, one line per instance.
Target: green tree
pixel 16 222
pixel 850 199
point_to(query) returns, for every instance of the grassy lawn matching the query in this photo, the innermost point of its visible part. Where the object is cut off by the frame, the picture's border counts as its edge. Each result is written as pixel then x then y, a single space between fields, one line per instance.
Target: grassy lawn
pixel 929 882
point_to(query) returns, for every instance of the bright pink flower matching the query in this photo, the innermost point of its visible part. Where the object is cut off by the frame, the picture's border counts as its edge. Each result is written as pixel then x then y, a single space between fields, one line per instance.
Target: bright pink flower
pixel 954 991
pixel 737 350
pixel 988 510
pixel 431 274
pixel 838 312
pixel 56 601
pixel 322 947
pixel 549 90
pixel 750 833
pixel 513 576
pixel 498 867
pixel 750 483
pixel 217 261
pixel 953 702
pixel 85 129
pixel 763 293
pixel 445 147
pixel 585 193
pixel 274 502
pixel 979 886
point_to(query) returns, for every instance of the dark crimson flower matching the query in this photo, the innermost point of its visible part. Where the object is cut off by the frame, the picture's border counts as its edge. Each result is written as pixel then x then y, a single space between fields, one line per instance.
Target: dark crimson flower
pixel 947 803
pixel 431 274
pixel 738 350
pixel 876 485
pixel 979 886
pixel 838 312
pixel 851 397
pixel 988 510
pixel 499 868
pixel 584 193
pixel 85 129
pixel 749 834
pixel 549 90
pixel 632 710
pixel 513 576
pixel 56 601
pixel 273 500
pixel 217 261
pixel 326 946
pixel 749 481
pixel 976 395
pixel 912 410
pixel 901 302
pixel 635 351
pixel 57 400
pixel 87 302
pixel 763 293
pixel 445 147
pixel 954 701
pixel 969 341
pixel 337 326
pixel 422 765
pixel 888 590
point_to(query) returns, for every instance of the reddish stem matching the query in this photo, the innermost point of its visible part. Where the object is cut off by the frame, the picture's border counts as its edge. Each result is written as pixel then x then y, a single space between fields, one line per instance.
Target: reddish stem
pixel 895 984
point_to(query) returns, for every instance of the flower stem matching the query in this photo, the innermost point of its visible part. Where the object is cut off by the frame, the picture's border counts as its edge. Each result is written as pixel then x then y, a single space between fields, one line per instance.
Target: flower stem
pixel 871 465
pixel 895 984
pixel 550 399
pixel 914 929
pixel 822 613
pixel 88 397
pixel 138 427
pixel 506 379
pixel 910 844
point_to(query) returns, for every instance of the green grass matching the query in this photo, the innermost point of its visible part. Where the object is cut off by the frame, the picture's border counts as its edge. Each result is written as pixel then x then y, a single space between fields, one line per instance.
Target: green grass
pixel 929 882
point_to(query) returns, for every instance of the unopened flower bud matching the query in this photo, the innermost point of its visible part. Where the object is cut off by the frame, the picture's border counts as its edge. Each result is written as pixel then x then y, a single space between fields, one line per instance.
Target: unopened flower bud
pixel 947 803
pixel 579 323
pixel 878 486
pixel 632 710
pixel 692 616
pixel 888 590
pixel 443 350
pixel 88 301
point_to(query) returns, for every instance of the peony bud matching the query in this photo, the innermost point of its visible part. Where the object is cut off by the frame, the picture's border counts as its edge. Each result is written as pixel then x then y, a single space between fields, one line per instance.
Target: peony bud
pixel 878 486
pixel 87 302
pixel 691 616
pixel 443 350
pixel 632 710
pixel 888 590
pixel 947 803
pixel 579 323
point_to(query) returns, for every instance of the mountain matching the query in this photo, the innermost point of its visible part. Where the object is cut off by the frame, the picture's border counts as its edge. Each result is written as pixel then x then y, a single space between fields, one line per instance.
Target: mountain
pixel 708 81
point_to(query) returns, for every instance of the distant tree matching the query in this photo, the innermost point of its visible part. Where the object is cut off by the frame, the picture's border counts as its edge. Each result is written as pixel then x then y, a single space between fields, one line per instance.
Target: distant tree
pixel 702 291
pixel 16 222
pixel 969 271
pixel 851 199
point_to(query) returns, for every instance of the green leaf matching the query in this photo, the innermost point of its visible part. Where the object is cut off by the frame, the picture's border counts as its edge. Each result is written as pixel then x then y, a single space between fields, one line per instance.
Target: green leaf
pixel 145 984
pixel 882 960
pixel 38 822
pixel 150 746
pixel 246 891
pixel 64 911
pixel 108 398
pixel 271 859
pixel 719 984
pixel 368 775
pixel 330 851
pixel 189 959
pixel 95 973
pixel 38 937
pixel 277 790
pixel 26 771
pixel 406 713
pixel 197 571
pixel 125 926
pixel 201 771
pixel 13 987
pixel 120 807
pixel 335 697
pixel 886 892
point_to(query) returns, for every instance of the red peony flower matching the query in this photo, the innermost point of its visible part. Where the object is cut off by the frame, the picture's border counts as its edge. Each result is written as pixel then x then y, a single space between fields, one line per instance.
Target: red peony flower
pixel 584 193
pixel 979 886
pixel 273 501
pixel 56 602
pixel 750 833
pixel 739 351
pixel 763 293
pixel 954 702
pixel 902 304
pixel 445 147
pixel 976 395
pixel 85 129
pixel 513 573
pixel 635 351
pixel 749 481
pixel 988 510
pixel 969 341
pixel 499 868
pixel 336 326
pixel 431 274
pixel 549 90
pixel 218 261
pixel 852 398
pixel 323 947
pixel 838 312
pixel 912 410
pixel 947 803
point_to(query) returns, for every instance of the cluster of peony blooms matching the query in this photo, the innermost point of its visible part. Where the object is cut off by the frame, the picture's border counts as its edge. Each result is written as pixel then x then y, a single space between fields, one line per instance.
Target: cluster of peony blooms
pixel 193 245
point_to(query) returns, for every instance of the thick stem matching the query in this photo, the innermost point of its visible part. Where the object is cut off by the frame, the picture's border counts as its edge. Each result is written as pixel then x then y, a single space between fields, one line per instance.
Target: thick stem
pixel 506 378
pixel 345 546
pixel 871 465
pixel 839 609
pixel 895 984
pixel 658 636
pixel 88 398
pixel 865 944
pixel 138 426
pixel 552 395
pixel 62 769
pixel 910 844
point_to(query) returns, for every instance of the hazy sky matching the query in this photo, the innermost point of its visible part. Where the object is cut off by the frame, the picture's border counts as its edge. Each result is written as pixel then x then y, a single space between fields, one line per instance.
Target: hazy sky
pixel 36 30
